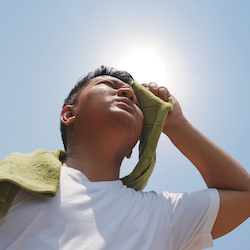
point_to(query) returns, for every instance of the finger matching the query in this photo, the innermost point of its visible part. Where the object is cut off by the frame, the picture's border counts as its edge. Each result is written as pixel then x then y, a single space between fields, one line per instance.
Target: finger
pixel 153 88
pixel 145 85
pixel 163 93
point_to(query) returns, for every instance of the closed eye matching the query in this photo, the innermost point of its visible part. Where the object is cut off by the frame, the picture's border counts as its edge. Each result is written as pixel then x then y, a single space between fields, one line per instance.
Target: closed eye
pixel 109 83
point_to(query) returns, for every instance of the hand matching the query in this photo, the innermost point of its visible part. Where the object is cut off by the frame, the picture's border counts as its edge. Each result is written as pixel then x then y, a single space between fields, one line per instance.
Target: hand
pixel 163 93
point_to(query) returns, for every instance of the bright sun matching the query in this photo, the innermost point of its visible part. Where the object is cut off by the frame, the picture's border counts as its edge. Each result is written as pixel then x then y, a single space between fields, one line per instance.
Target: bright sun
pixel 145 67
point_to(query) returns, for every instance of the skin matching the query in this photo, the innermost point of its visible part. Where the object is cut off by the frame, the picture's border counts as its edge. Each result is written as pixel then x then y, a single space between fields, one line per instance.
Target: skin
pixel 98 143
pixel 218 169
pixel 102 128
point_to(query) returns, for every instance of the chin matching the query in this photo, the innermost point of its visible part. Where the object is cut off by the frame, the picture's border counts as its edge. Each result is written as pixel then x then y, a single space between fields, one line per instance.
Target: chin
pixel 127 122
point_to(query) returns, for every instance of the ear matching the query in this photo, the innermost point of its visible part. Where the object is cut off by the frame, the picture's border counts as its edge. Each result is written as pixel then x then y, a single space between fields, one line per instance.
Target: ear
pixel 129 154
pixel 67 116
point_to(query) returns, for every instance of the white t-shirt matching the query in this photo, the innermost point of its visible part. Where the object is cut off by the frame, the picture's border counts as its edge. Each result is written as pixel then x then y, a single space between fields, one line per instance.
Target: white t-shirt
pixel 108 215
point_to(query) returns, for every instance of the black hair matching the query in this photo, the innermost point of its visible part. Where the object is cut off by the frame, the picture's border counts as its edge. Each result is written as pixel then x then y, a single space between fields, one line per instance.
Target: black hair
pixel 82 83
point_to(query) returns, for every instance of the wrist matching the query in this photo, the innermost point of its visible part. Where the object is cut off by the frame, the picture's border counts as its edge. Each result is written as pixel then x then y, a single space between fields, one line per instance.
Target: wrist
pixel 176 125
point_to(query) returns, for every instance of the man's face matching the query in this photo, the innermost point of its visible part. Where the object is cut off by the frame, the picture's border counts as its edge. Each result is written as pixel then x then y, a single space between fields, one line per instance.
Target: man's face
pixel 109 103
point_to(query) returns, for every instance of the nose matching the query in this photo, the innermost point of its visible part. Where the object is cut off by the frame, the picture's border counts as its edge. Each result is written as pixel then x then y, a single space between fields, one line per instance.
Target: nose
pixel 127 92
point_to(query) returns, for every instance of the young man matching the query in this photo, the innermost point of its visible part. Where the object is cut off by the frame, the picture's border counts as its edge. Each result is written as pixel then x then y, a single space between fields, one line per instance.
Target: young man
pixel 100 123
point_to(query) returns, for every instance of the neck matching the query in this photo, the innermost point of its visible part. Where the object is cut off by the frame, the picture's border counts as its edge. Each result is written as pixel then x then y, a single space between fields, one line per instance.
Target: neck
pixel 96 165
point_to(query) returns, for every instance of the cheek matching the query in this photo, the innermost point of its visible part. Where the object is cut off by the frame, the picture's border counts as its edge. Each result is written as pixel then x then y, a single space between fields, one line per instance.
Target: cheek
pixel 94 101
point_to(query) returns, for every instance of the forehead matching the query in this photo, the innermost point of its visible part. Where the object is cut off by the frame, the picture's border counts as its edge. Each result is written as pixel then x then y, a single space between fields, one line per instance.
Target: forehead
pixel 115 80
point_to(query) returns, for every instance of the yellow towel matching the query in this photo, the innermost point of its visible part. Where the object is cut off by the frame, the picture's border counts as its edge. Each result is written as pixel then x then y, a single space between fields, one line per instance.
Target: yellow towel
pixel 38 173
pixel 155 112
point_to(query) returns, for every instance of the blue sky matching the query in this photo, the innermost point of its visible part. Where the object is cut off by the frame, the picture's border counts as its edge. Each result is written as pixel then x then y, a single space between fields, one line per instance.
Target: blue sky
pixel 204 47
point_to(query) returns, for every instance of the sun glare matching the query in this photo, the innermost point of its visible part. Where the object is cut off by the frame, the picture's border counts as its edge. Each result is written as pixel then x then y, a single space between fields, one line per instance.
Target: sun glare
pixel 145 67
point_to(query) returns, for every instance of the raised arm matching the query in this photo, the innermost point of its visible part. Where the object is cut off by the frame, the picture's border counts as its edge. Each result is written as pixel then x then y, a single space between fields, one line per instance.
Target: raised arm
pixel 218 169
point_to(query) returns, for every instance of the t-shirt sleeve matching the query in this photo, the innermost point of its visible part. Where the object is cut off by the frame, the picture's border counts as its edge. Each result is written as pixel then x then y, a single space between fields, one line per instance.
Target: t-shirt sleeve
pixel 192 216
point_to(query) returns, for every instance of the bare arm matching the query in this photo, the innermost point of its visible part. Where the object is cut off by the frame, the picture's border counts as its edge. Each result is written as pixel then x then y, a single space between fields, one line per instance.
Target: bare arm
pixel 218 169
